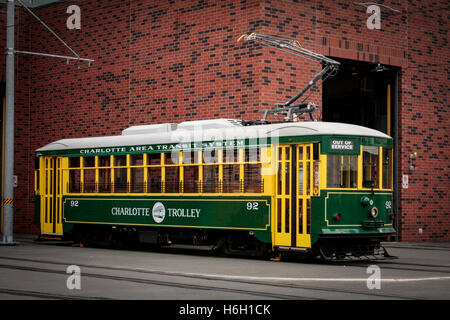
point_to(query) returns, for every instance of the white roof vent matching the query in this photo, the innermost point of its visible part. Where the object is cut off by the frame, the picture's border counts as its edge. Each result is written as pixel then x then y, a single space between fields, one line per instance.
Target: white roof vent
pixel 149 129
pixel 209 124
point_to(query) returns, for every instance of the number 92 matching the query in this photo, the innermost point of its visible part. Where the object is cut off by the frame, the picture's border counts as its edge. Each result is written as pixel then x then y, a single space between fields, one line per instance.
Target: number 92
pixel 252 206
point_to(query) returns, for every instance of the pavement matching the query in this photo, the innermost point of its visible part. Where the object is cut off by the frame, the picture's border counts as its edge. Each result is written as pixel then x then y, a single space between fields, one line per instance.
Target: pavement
pixel 58 270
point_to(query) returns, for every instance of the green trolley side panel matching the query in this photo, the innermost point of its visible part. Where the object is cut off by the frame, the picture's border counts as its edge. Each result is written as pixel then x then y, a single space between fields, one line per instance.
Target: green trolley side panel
pixel 354 213
pixel 237 213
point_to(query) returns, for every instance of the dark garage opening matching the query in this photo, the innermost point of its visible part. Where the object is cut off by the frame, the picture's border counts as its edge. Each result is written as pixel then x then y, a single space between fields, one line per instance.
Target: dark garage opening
pixel 361 93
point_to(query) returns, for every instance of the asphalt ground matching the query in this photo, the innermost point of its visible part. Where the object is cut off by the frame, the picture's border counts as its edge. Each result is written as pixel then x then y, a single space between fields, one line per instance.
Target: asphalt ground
pixel 60 271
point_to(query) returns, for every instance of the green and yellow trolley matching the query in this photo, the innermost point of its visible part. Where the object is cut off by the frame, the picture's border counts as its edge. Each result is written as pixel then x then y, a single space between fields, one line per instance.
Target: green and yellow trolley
pixel 313 188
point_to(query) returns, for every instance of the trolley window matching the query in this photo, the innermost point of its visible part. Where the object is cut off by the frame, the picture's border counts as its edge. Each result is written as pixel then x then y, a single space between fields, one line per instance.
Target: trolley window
pixel 172 169
pixel 252 178
pixel 231 171
pixel 190 157
pixel 387 168
pixel 74 181
pixel 137 173
pixel 89 175
pixel 120 174
pixel 231 178
pixel 104 174
pixel 74 162
pixel 211 178
pixel 191 179
pixel 252 170
pixel 370 167
pixel 154 179
pixel 342 171
pixel 154 173
pixel 74 185
pixel 172 184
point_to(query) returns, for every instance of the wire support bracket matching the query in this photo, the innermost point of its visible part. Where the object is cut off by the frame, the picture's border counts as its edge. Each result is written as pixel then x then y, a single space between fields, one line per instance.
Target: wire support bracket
pixel 292 46
pixel 68 58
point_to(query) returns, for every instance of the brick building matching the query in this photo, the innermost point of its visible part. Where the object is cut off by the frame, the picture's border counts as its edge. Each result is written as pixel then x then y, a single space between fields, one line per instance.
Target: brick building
pixel 169 61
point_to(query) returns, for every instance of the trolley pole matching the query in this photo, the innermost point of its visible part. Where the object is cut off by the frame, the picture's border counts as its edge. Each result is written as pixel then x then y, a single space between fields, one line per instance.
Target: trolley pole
pixel 8 192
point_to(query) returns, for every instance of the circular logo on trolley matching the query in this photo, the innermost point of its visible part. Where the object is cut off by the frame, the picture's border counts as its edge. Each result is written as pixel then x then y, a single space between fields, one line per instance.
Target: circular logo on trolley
pixel 158 212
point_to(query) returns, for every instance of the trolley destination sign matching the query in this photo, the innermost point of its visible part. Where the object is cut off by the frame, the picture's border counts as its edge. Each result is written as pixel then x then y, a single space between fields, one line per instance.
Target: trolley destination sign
pixel 341 145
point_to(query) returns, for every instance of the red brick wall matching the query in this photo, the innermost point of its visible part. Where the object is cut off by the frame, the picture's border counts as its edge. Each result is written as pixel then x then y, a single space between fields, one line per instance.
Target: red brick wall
pixel 167 61
pixel 424 123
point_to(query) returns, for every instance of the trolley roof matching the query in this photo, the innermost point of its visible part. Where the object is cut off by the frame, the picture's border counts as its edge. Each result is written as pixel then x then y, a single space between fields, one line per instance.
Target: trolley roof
pixel 210 131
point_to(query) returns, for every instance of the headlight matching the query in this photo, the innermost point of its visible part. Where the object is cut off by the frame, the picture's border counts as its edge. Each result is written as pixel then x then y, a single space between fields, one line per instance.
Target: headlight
pixel 374 212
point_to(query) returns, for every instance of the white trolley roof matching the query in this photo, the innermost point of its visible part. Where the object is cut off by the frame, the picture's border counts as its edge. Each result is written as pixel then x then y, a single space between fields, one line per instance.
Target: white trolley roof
pixel 211 130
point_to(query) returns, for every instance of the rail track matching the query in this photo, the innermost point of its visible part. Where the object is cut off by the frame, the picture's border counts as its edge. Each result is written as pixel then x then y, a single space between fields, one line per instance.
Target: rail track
pixel 261 287
pixel 52 265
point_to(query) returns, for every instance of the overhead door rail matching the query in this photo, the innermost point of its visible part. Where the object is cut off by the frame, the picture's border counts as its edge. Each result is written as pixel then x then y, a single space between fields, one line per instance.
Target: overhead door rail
pixel 330 68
